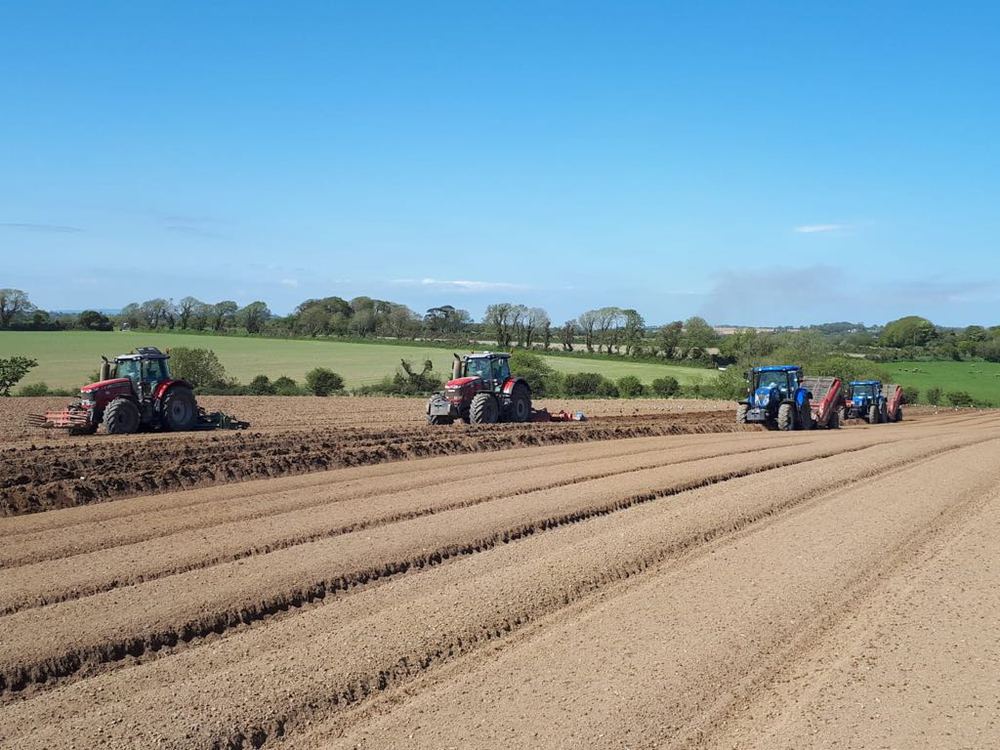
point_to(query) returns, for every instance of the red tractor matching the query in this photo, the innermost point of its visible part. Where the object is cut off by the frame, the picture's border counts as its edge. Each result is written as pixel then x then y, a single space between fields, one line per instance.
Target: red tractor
pixel 135 393
pixel 481 391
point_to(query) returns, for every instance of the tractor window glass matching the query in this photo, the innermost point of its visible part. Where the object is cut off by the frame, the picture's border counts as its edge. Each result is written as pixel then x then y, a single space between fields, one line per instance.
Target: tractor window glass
pixel 773 380
pixel 128 368
pixel 864 390
pixel 502 369
pixel 478 368
pixel 155 370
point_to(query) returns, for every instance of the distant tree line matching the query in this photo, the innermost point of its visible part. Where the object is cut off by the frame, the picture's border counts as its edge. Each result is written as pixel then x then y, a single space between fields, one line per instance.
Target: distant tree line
pixel 614 331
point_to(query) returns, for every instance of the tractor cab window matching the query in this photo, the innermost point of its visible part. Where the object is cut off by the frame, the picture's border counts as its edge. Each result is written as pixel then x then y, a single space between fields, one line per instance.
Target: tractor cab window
pixel 501 369
pixel 864 390
pixel 783 381
pixel 478 368
pixel 128 368
pixel 154 370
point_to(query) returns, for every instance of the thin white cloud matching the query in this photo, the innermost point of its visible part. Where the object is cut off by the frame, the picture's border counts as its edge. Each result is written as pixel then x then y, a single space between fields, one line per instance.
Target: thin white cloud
pixel 462 285
pixel 818 228
pixel 291 283
pixel 26 227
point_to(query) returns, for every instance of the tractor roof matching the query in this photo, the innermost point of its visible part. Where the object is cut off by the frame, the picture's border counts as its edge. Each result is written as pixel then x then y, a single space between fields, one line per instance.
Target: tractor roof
pixel 866 382
pixel 488 355
pixel 143 352
pixel 778 368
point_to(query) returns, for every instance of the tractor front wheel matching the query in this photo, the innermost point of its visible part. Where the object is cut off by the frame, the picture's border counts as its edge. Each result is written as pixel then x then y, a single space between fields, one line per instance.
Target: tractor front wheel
pixel 741 413
pixel 786 417
pixel 834 423
pixel 179 410
pixel 484 409
pixel 520 403
pixel 438 419
pixel 873 414
pixel 121 417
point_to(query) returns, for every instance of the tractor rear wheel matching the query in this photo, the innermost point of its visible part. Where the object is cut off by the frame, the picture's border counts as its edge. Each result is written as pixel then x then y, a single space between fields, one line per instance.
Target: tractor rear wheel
pixel 121 417
pixel 484 409
pixel 741 413
pixel 786 417
pixel 873 414
pixel 805 416
pixel 520 403
pixel 179 410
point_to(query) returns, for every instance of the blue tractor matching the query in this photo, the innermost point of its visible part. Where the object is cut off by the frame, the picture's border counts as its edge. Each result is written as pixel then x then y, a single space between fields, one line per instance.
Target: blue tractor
pixel 868 401
pixel 777 399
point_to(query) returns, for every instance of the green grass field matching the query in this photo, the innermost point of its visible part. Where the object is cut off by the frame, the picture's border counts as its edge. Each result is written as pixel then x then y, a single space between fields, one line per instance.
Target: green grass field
pixel 67 358
pixel 981 380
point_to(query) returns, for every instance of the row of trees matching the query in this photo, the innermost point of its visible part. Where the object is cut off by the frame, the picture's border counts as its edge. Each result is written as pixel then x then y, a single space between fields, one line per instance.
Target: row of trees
pixel 608 330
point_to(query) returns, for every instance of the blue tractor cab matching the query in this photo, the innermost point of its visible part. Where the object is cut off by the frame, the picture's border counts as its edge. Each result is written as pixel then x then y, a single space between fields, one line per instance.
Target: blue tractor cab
pixel 776 398
pixel 868 401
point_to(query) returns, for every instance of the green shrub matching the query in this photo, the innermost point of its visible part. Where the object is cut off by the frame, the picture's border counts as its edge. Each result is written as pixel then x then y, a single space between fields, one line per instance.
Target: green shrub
pixel 12 370
pixel 542 378
pixel 322 382
pixel 933 395
pixel 200 367
pixel 34 389
pixel 285 386
pixel 665 387
pixel 261 385
pixel 629 386
pixel 607 389
pixel 582 383
pixel 910 394
pixel 959 398
pixel 405 382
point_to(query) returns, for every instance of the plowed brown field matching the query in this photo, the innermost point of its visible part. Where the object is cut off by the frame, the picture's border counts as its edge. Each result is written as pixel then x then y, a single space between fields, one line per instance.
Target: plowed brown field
pixel 606 584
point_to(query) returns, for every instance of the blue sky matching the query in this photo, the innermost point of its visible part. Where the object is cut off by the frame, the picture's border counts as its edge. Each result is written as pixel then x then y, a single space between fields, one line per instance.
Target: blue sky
pixel 756 163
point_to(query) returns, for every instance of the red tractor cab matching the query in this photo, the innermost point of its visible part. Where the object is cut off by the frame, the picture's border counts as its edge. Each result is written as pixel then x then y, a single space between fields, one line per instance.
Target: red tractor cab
pixel 481 391
pixel 135 393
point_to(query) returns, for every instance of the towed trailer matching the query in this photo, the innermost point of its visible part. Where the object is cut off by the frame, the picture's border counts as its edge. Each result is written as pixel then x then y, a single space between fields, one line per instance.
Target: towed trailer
pixel 893 402
pixel 825 400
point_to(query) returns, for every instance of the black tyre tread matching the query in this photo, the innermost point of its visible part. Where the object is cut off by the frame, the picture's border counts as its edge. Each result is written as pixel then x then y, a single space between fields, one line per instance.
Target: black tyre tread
pixel 873 414
pixel 179 392
pixel 484 409
pixel 439 419
pixel 520 395
pixel 121 417
pixel 786 417
pixel 741 413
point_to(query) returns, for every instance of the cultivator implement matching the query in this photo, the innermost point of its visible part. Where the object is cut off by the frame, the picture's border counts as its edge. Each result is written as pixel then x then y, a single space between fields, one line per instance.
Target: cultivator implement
pixel 71 418
pixel 218 420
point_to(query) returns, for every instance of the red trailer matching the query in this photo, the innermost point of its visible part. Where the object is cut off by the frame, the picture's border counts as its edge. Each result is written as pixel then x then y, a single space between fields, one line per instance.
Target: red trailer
pixel 826 401
pixel 893 402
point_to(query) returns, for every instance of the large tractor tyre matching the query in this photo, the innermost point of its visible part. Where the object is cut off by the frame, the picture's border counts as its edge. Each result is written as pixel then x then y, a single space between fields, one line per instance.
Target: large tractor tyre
pixel 741 413
pixel 121 417
pixel 179 410
pixel 439 419
pixel 484 409
pixel 842 412
pixel 806 416
pixel 899 414
pixel 786 417
pixel 873 414
pixel 520 403
pixel 834 423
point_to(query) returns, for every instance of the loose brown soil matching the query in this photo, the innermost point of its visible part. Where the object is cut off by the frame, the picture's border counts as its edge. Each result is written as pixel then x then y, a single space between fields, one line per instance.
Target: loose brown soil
pixel 622 587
